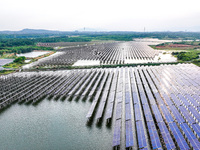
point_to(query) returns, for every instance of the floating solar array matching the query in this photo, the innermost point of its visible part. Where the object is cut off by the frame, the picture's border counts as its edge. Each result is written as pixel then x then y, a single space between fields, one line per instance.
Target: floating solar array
pixel 108 53
pixel 5 61
pixel 155 107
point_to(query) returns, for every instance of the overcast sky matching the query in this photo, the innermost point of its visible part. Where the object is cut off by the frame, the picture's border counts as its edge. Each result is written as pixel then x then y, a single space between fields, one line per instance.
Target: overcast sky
pixel 112 15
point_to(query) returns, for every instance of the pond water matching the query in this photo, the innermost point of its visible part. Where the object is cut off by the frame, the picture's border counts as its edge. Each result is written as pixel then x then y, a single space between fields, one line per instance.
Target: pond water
pixel 52 125
pixel 33 54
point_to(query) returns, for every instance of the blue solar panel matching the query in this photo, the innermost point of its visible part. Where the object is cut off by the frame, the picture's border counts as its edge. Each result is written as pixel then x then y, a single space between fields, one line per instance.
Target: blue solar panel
pixel 177 115
pixel 154 138
pixel 151 98
pixel 166 136
pixel 117 133
pixel 159 99
pixel 197 97
pixel 196 128
pixel 129 134
pixel 157 113
pixel 119 111
pixel 190 135
pixel 147 113
pixel 128 111
pixel 135 98
pixel 141 135
pixel 143 98
pixel 167 99
pixel 194 113
pixel 185 102
pixel 166 113
pixel 186 114
pixel 178 136
pixel 127 97
pixel 192 100
pixel 176 101
pixel 137 112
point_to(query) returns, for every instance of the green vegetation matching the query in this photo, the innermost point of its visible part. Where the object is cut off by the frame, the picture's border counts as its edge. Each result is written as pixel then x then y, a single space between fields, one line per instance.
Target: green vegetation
pixel 14 65
pixel 20 59
pixel 17 63
pixel 196 62
pixel 187 56
pixel 46 34
pixel 116 37
pixel 22 49
pixel 21 43
pixel 4 72
pixel 192 42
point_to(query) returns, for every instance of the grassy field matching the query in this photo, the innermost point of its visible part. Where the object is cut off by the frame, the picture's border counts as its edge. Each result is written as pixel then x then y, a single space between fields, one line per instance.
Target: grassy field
pixel 196 62
pixel 14 65
pixel 8 55
pixel 4 72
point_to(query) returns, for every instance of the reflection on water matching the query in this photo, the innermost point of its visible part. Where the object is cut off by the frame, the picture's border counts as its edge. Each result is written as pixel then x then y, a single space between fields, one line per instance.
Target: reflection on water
pixel 33 54
pixel 51 125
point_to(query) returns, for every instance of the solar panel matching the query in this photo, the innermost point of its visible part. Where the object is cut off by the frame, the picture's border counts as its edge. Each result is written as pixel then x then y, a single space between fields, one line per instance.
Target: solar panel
pixel 127 112
pixel 176 114
pixel 166 113
pixel 186 114
pixel 154 138
pixel 141 135
pixel 192 100
pixel 166 136
pixel 127 97
pixel 147 112
pixel 5 61
pixel 135 98
pixel 196 129
pixel 190 136
pixel 185 102
pixel 156 113
pixel 182 144
pixel 117 133
pixel 119 111
pixel 194 113
pixel 129 134
pixel 176 101
pixel 137 112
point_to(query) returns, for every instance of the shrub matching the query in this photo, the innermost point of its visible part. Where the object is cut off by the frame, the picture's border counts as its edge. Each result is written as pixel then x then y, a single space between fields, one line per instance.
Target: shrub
pixel 20 59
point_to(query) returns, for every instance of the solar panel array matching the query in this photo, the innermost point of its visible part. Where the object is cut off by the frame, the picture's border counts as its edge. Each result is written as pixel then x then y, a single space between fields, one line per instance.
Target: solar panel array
pixel 149 107
pixel 108 53
pixel 5 61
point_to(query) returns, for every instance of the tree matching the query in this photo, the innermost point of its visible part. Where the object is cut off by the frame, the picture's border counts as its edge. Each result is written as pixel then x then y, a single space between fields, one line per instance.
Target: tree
pixel 20 59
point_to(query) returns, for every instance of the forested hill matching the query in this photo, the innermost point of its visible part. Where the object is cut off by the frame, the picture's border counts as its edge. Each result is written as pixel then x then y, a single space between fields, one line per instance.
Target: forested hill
pixel 109 35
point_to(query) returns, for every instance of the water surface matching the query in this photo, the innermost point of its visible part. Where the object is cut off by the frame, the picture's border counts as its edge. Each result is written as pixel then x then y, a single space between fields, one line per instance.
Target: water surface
pixel 33 54
pixel 51 125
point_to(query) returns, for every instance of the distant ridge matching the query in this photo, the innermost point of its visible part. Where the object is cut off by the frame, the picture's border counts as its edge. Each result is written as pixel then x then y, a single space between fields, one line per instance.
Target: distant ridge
pixel 31 31
pixel 91 30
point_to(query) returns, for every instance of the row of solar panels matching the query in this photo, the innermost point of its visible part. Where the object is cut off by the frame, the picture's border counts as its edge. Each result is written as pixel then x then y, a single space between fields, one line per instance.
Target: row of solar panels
pixel 147 106
pixel 115 53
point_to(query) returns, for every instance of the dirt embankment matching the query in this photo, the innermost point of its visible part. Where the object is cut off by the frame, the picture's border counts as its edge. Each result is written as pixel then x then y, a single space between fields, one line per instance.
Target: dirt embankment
pixel 177 46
